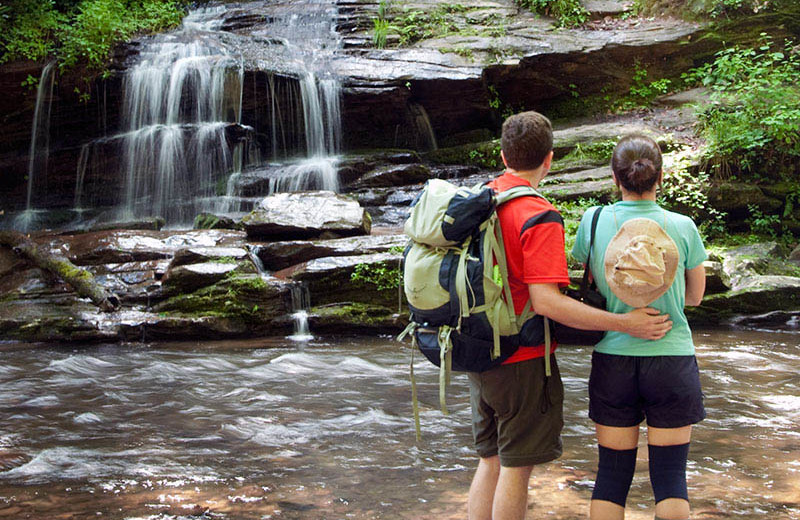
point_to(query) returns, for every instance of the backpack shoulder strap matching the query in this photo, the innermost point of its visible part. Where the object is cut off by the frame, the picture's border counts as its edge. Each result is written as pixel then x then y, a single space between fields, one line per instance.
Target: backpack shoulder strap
pixel 515 193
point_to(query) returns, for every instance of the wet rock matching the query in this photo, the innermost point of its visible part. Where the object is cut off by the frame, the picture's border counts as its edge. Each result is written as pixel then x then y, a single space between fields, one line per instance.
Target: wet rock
pixel 9 262
pixel 715 277
pixel 742 264
pixel 775 320
pixel 603 191
pixel 211 221
pixel 565 140
pixel 115 247
pixel 794 256
pixel 694 96
pixel 193 276
pixel 154 223
pixel 761 292
pixel 759 277
pixel 249 303
pixel 280 255
pixel 735 198
pixel 287 216
pixel 356 318
pixel 195 255
pixel 399 175
pixel 593 174
pixel 332 279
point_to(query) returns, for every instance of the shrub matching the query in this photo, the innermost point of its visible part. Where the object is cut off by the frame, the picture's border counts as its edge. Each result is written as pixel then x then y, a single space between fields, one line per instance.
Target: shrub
pixel 753 121
pixel 568 13
pixel 80 34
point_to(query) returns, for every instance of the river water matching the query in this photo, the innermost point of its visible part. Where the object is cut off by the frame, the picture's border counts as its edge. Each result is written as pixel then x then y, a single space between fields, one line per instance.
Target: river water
pixel 323 430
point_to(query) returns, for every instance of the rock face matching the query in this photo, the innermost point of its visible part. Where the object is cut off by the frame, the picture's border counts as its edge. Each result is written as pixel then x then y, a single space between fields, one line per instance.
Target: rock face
pixel 287 216
pixel 758 277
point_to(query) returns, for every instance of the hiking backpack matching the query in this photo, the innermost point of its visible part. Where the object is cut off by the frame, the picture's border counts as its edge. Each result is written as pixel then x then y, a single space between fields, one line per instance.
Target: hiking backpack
pixel 455 279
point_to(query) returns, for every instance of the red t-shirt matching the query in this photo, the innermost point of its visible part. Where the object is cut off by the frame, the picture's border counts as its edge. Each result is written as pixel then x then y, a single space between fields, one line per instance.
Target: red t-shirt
pixel 533 235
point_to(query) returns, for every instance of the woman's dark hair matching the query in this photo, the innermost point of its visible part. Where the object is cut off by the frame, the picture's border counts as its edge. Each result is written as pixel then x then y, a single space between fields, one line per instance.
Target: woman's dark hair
pixel 526 140
pixel 636 163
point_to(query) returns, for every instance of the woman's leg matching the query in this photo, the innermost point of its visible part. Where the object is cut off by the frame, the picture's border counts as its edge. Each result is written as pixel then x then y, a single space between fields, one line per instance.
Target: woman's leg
pixel 669 448
pixel 615 471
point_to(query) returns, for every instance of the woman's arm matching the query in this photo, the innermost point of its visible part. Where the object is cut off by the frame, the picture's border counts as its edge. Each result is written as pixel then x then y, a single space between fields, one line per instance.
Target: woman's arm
pixel 695 285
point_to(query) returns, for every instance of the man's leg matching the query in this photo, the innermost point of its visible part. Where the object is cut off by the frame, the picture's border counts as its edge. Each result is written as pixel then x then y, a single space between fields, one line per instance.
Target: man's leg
pixel 482 490
pixel 511 496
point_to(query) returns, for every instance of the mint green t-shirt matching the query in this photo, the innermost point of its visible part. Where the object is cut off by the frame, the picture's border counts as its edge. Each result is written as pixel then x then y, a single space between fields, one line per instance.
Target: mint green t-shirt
pixel 678 341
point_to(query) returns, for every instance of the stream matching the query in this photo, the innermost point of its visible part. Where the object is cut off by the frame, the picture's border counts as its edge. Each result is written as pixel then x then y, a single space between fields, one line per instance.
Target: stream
pixel 274 428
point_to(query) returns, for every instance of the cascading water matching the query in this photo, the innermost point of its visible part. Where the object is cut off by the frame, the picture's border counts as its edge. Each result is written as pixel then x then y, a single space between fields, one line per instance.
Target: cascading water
pixel 179 101
pixel 183 146
pixel 306 40
pixel 40 144
pixel 301 302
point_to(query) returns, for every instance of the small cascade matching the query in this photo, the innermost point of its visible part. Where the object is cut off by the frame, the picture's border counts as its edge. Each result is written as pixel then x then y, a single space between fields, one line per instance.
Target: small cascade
pixel 423 131
pixel 39 151
pixel 301 302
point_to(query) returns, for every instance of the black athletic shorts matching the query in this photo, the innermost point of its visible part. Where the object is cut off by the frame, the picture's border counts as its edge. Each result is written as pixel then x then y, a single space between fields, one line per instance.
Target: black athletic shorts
pixel 624 390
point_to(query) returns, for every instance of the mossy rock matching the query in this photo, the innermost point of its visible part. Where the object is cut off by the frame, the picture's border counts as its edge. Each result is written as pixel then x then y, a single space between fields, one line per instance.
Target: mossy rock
pixel 484 155
pixel 353 317
pixel 246 298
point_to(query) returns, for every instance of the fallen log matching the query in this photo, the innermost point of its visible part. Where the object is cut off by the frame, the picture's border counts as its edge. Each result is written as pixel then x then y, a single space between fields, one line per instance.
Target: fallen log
pixel 81 280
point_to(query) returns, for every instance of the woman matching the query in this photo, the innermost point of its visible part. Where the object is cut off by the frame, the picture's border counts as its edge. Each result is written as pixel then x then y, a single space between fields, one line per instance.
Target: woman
pixel 643 256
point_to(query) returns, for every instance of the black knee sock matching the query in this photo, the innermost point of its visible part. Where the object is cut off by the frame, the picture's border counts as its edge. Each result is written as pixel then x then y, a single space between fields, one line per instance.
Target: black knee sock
pixel 614 475
pixel 668 471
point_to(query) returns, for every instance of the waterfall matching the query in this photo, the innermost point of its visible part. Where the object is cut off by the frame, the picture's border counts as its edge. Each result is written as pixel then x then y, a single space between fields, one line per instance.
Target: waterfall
pixel 181 148
pixel 179 101
pixel 39 151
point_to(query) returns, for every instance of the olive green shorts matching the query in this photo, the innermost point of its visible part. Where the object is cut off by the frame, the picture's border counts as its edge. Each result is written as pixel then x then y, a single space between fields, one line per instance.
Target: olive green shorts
pixel 517 413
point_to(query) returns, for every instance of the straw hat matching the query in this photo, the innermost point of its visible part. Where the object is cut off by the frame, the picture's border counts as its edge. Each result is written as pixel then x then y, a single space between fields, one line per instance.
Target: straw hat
pixel 640 262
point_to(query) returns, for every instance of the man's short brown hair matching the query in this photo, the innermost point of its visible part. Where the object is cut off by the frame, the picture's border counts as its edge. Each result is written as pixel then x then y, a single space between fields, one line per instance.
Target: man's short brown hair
pixel 526 140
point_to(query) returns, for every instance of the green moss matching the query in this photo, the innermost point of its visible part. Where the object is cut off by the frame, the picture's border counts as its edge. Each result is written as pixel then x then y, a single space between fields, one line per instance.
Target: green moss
pixel 67 270
pixel 485 155
pixel 236 297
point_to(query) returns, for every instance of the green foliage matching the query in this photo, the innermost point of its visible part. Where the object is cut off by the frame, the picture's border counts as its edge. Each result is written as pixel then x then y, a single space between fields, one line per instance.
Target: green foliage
pixel 763 224
pixel 599 151
pixel 568 13
pixel 685 189
pixel 486 158
pixel 707 8
pixel 380 32
pixel 383 277
pixel 642 92
pixel 80 34
pixel 753 120
pixel 28 29
pixel 572 212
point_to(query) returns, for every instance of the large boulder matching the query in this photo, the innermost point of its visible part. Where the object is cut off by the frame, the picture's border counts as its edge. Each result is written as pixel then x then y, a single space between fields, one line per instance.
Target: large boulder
pixel 280 255
pixel 307 215
pixel 394 175
pixel 759 279
pixel 371 279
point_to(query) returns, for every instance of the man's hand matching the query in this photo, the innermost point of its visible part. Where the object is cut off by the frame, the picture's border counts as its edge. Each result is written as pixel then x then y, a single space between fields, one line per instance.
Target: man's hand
pixel 647 323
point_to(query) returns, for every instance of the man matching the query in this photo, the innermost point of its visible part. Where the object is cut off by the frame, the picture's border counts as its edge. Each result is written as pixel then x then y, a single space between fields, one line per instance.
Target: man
pixel 516 410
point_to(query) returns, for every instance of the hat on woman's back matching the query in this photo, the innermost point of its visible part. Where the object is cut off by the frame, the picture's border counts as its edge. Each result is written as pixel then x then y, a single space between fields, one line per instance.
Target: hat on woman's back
pixel 640 262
